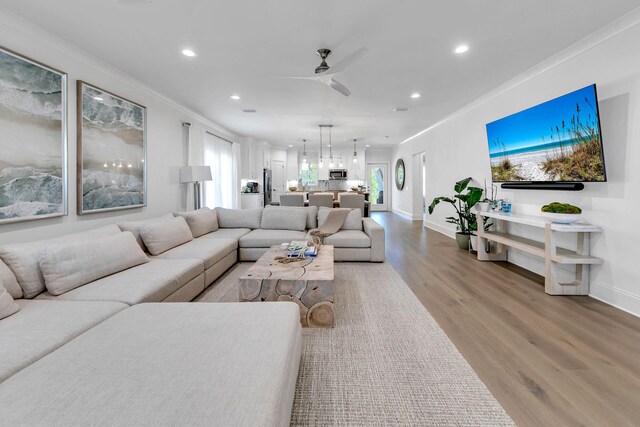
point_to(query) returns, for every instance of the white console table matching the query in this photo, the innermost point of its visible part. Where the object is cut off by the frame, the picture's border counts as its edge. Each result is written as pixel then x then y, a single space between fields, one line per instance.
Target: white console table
pixel 552 254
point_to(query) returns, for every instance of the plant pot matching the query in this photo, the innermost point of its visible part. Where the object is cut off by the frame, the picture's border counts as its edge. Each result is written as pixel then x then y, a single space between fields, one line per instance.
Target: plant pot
pixel 463 241
pixel 473 242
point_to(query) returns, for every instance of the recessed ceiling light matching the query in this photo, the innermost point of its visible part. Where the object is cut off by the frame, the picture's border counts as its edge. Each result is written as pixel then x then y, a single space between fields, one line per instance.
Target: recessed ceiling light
pixel 97 98
pixel 189 53
pixel 235 97
pixel 367 145
pixel 461 48
pixel 290 145
pixel 328 145
pixel 415 95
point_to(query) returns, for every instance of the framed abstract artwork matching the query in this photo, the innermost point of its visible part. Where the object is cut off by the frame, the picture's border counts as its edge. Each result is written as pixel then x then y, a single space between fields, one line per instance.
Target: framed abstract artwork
pixel 112 171
pixel 33 139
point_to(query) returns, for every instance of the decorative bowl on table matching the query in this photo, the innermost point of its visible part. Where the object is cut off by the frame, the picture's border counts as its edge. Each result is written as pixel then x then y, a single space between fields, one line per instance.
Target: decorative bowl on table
pixel 561 218
pixel 354 188
pixel 293 188
pixel 562 213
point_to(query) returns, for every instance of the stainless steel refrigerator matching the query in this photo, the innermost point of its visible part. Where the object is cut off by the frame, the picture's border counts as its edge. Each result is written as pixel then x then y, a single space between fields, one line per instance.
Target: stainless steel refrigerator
pixel 266 186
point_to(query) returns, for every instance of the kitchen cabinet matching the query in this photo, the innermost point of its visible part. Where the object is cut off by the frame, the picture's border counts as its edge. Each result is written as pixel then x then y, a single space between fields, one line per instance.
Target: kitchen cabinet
pixel 251 200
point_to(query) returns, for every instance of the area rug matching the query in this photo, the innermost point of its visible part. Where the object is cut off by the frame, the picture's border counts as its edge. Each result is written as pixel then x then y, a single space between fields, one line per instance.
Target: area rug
pixel 386 362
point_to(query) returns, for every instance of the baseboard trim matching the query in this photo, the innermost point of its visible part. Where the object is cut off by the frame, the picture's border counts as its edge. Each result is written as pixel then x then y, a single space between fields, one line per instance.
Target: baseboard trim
pixel 616 297
pixel 440 229
pixel 402 213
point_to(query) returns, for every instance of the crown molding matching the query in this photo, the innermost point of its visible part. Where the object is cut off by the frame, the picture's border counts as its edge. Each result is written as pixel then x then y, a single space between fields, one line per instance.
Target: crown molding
pixel 19 25
pixel 609 31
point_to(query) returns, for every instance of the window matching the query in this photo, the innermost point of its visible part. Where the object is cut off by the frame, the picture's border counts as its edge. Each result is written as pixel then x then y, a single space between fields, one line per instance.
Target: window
pixel 218 154
pixel 309 174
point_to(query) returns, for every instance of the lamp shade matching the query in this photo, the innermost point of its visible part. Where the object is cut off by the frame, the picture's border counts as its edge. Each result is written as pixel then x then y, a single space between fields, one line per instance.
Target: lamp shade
pixel 195 173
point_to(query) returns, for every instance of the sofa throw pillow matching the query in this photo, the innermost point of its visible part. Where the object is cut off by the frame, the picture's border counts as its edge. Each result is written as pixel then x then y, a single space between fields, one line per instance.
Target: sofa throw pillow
pixel 23 258
pixel 202 221
pixel 311 211
pixel 284 219
pixel 66 266
pixel 9 280
pixel 353 221
pixel 239 218
pixel 162 236
pixel 7 304
pixel 134 226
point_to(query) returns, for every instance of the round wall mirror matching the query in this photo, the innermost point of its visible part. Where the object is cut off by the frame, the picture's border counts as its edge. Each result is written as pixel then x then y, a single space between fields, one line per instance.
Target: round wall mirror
pixel 400 174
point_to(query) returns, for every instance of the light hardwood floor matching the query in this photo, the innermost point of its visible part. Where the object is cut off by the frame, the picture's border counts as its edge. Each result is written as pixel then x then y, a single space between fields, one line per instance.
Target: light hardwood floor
pixel 549 360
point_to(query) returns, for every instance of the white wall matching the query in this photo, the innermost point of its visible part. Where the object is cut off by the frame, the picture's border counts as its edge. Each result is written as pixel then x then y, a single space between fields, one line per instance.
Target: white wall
pixel 457 148
pixel 166 145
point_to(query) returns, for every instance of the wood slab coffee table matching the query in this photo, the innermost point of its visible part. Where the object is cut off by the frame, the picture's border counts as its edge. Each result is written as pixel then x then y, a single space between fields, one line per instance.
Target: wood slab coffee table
pixel 308 283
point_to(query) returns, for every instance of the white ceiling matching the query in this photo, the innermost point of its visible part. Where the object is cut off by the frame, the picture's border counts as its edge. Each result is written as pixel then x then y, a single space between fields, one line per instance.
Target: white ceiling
pixel 244 45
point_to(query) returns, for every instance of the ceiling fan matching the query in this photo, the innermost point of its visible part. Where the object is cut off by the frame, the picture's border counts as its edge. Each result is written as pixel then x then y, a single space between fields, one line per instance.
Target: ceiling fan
pixel 325 73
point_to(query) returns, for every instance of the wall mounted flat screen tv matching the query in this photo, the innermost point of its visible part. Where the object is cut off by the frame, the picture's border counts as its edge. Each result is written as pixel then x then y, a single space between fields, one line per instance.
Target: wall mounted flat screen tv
pixel 556 141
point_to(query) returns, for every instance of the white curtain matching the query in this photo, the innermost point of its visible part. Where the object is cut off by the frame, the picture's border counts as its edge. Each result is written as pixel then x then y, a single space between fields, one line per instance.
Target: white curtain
pixel 195 156
pixel 222 190
pixel 235 193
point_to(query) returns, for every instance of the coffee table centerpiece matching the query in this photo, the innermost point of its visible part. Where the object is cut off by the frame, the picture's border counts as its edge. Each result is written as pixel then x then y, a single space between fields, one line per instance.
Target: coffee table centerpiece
pixel 307 282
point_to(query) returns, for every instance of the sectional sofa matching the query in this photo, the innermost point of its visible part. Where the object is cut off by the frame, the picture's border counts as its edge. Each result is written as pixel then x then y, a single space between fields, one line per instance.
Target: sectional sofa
pixel 81 325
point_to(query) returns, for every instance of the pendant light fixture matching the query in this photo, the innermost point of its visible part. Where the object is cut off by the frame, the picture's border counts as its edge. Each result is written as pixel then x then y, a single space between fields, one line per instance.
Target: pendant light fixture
pixel 355 152
pixel 320 162
pixel 330 149
pixel 304 151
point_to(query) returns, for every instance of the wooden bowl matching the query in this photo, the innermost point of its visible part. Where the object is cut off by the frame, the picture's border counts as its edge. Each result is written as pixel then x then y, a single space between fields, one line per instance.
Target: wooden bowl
pixel 293 188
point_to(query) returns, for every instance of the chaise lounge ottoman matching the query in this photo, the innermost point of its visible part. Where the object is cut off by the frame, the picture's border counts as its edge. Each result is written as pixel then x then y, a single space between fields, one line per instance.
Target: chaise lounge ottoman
pixel 167 364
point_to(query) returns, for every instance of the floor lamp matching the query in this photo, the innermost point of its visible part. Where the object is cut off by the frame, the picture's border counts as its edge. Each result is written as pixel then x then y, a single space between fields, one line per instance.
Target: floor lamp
pixel 195 174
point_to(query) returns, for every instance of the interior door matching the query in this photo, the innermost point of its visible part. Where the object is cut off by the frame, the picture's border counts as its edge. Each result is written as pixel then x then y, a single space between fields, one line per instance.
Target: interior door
pixel 277 180
pixel 378 181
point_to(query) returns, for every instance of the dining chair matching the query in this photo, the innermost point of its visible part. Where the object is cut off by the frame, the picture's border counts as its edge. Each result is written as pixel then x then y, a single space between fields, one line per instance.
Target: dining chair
pixel 321 199
pixel 352 200
pixel 292 200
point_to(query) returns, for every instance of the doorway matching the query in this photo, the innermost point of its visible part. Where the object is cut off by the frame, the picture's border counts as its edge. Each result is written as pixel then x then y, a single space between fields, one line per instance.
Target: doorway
pixel 277 180
pixel 378 181
pixel 418 193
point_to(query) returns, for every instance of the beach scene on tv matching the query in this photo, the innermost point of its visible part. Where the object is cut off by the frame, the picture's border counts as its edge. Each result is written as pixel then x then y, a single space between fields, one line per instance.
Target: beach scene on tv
pixel 558 140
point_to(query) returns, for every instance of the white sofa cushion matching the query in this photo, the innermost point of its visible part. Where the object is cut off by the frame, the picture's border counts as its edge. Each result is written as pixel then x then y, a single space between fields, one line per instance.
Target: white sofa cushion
pixel 7 305
pixel 23 258
pixel 182 364
pixel 201 222
pixel 134 226
pixel 353 221
pixel 311 211
pixel 40 327
pixel 227 233
pixel 66 266
pixel 347 239
pixel 162 236
pixel 9 281
pixel 210 251
pixel 284 219
pixel 150 282
pixel 268 238
pixel 239 218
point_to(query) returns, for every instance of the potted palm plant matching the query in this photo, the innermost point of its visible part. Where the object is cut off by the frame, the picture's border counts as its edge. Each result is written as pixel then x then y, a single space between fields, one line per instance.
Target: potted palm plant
pixel 465 220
